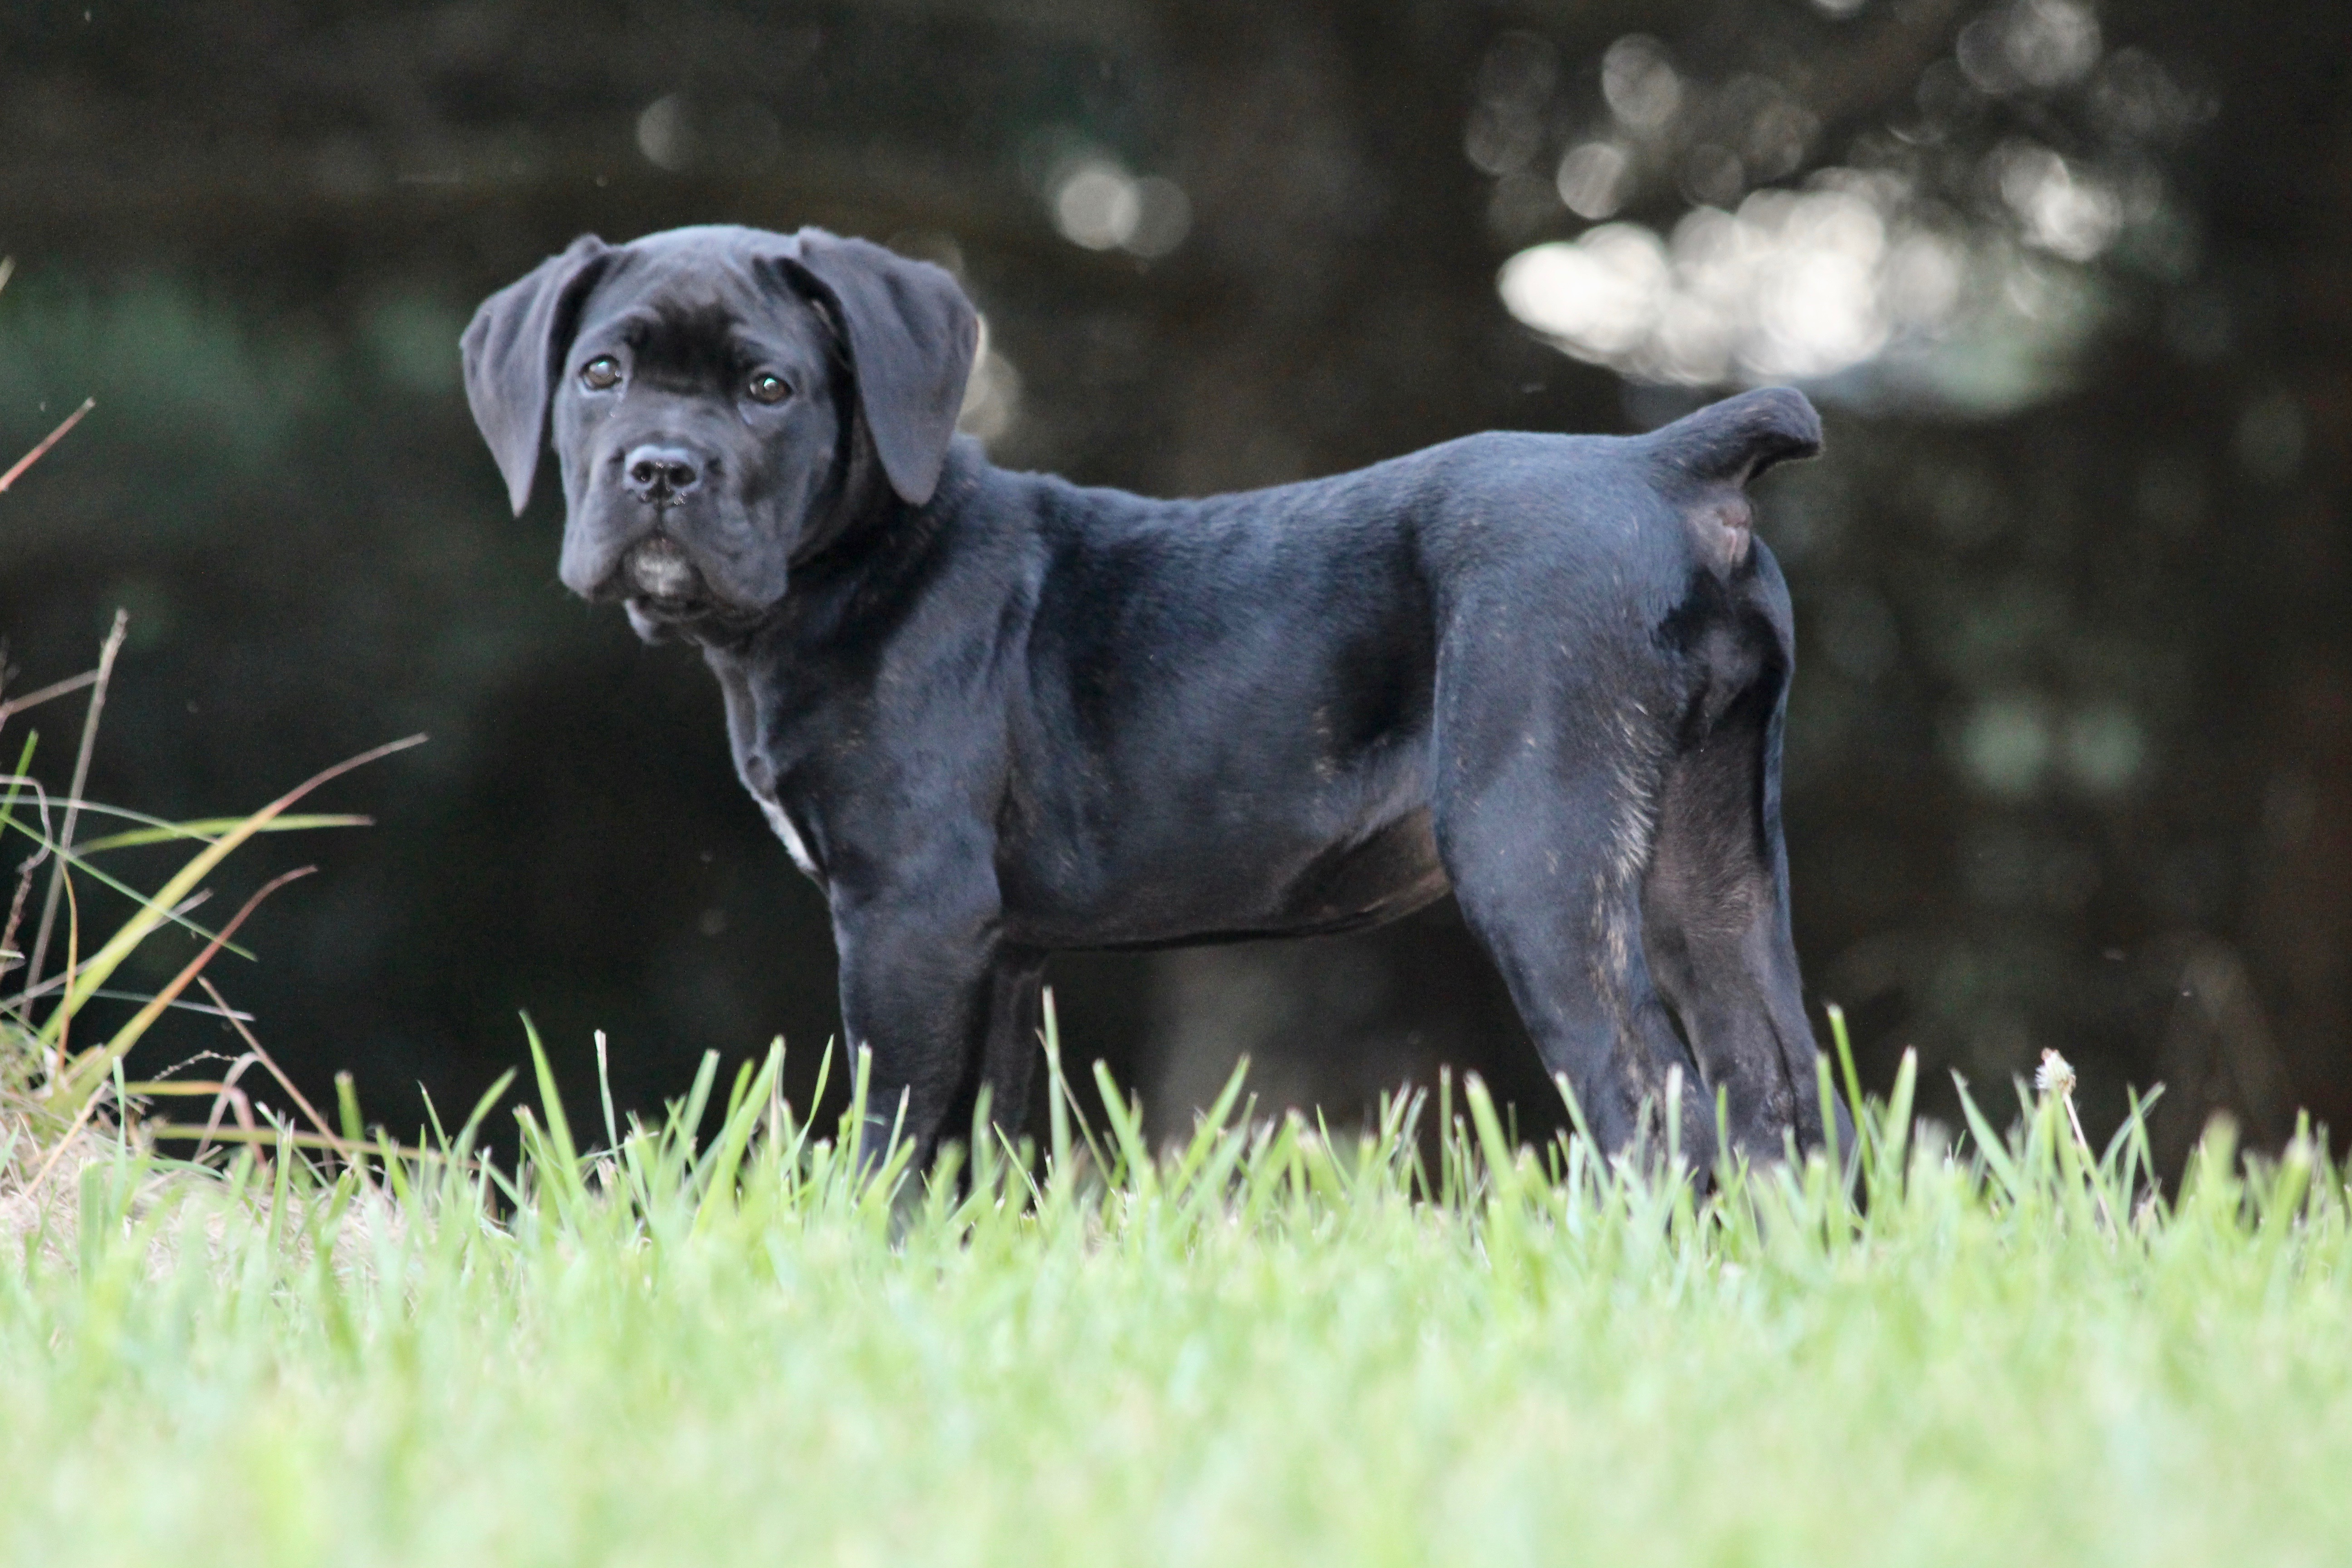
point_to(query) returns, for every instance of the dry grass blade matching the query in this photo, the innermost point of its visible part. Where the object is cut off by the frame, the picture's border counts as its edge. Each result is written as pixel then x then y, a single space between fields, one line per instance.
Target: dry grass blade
pixel 47 441
pixel 66 687
pixel 104 673
pixel 182 1131
pixel 9 956
pixel 85 1080
pixel 65 1140
pixel 88 1070
pixel 73 958
pixel 224 1090
pixel 135 931
pixel 253 1047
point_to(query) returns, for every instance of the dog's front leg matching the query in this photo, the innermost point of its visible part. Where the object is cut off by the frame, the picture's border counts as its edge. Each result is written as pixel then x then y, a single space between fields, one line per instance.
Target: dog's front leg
pixel 925 984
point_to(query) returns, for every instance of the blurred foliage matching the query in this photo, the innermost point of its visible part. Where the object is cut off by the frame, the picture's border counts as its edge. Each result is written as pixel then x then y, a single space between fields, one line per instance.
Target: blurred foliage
pixel 2071 750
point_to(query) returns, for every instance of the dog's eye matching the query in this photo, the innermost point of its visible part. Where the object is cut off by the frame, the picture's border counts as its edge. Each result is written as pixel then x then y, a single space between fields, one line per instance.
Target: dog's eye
pixel 601 373
pixel 766 388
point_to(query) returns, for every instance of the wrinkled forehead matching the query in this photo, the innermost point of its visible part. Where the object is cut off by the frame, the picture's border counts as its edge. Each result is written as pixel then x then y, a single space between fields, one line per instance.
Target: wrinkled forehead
pixel 680 298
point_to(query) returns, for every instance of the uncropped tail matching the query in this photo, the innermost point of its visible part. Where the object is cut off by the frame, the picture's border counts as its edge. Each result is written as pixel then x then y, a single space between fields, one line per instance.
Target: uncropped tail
pixel 1739 437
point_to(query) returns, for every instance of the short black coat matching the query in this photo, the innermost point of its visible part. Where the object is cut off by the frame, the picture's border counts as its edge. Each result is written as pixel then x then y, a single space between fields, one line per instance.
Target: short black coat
pixel 994 714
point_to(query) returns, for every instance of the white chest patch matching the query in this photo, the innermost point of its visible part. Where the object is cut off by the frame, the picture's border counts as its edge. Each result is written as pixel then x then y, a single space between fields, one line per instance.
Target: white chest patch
pixel 788 833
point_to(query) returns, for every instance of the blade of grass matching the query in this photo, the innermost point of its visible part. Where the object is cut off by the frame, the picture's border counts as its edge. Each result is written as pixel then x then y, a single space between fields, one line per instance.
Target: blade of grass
pixel 1899 1102
pixel 561 1168
pixel 188 1130
pixel 1063 1107
pixel 236 1022
pixel 1825 1095
pixel 106 653
pixel 347 1105
pixel 65 1140
pixel 226 1095
pixel 136 929
pixel 208 828
pixel 727 1154
pixel 1057 1112
pixel 604 1094
pixel 1212 1126
pixel 208 1010
pixel 1127 1134
pixel 1489 1128
pixel 482 1108
pixel 73 956
pixel 76 1081
pixel 1853 1077
pixel 25 876
pixel 177 915
pixel 47 441
pixel 230 1098
pixel 801 1132
pixel 697 1100
pixel 33 698
pixel 1990 1145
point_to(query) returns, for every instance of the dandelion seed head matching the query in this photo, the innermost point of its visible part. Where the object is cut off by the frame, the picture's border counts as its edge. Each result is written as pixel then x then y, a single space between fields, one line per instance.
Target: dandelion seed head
pixel 2054 1076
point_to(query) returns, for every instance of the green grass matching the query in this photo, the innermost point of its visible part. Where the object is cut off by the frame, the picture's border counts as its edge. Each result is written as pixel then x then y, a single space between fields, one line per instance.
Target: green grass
pixel 1269 1347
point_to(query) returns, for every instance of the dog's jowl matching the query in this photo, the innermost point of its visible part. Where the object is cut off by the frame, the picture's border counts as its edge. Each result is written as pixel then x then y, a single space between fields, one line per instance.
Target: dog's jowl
pixel 994 714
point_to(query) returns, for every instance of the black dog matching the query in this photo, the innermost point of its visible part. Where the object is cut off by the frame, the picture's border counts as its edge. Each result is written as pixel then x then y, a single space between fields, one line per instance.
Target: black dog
pixel 994 714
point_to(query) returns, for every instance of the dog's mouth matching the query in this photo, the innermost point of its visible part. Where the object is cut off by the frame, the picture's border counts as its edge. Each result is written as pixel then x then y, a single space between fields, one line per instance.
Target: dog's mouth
pixel 656 571
pixel 666 594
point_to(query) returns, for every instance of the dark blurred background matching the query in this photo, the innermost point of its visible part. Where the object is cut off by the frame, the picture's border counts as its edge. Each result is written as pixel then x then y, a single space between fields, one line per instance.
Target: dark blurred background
pixel 2070 755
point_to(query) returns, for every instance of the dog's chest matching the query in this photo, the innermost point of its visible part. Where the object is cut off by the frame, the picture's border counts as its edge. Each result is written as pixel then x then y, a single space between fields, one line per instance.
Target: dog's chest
pixel 783 823
pixel 748 729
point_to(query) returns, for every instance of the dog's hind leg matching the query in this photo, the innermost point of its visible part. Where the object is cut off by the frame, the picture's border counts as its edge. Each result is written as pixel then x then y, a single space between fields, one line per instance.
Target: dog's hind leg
pixel 1546 835
pixel 1716 907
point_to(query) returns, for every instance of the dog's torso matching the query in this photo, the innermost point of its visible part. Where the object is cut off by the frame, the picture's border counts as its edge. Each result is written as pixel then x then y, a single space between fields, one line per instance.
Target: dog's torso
pixel 1167 721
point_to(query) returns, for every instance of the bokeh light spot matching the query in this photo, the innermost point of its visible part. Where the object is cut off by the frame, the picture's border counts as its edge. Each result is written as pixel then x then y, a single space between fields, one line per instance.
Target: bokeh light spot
pixel 2106 748
pixel 1639 83
pixel 2060 208
pixel 991 398
pixel 1794 284
pixel 2006 744
pixel 1098 204
pixel 1595 179
pixel 665 134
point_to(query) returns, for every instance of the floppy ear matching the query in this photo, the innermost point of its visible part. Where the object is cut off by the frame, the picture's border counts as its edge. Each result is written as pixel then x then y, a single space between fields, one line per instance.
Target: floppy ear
pixel 912 335
pixel 511 350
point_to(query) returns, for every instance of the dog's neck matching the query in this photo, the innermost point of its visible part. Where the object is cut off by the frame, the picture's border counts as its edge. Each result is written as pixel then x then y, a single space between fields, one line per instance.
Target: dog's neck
pixel 814 653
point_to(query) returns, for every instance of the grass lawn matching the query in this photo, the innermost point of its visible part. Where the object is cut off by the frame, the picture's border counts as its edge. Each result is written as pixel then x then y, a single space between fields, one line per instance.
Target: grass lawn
pixel 1266 1348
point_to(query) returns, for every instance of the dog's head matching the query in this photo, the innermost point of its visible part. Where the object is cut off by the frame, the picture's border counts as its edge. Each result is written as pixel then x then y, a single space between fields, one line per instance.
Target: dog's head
pixel 721 401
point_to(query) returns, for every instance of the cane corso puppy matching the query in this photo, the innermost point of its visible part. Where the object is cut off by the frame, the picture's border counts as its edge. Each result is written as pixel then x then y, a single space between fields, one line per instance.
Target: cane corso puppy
pixel 992 714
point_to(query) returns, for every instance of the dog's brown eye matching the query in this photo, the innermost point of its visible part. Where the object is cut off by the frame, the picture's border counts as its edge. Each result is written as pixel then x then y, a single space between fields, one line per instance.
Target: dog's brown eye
pixel 601 372
pixel 766 388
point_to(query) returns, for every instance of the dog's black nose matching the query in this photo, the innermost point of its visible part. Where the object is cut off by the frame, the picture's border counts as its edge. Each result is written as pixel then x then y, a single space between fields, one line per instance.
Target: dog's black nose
pixel 660 474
